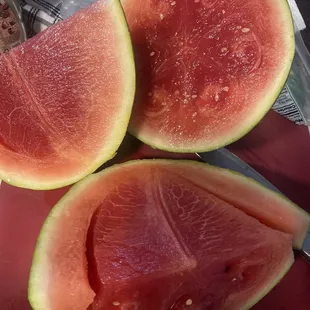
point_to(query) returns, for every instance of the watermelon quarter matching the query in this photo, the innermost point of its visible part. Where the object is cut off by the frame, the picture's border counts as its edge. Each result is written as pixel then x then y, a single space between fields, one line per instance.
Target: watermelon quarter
pixel 158 234
pixel 207 70
pixel 66 98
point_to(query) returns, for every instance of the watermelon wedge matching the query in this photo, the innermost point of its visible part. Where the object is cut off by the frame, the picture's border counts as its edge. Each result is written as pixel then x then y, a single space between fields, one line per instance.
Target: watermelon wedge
pixel 207 70
pixel 149 234
pixel 66 98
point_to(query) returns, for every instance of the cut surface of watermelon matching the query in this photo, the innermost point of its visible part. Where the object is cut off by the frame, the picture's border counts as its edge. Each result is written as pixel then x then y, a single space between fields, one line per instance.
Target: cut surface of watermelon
pixel 66 98
pixel 151 233
pixel 207 70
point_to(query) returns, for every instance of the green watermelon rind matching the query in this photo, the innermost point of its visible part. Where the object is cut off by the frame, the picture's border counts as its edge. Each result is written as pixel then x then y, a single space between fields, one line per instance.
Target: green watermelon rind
pixel 37 291
pixel 261 294
pixel 249 182
pixel 37 297
pixel 300 239
pixel 119 131
pixel 238 178
pixel 251 122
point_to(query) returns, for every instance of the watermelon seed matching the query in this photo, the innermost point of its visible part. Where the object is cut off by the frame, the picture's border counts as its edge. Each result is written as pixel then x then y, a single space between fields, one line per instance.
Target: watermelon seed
pixel 188 302
pixel 224 49
pixel 152 54
pixel 245 30
pixel 161 16
pixel 116 303
pixel 173 3
pixel 217 97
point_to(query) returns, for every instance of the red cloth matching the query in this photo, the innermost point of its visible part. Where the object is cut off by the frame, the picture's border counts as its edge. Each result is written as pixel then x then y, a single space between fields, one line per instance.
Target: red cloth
pixel 278 149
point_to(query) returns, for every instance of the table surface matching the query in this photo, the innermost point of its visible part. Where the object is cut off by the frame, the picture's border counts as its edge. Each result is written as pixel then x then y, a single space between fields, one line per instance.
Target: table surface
pixel 304 6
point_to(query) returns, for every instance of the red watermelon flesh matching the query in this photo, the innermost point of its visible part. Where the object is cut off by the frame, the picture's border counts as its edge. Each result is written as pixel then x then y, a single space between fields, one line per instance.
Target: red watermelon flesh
pixel 243 193
pixel 158 241
pixel 66 98
pixel 208 70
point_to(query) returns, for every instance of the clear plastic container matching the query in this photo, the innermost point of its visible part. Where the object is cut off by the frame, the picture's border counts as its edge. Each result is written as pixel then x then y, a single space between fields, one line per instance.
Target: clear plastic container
pixel 12 31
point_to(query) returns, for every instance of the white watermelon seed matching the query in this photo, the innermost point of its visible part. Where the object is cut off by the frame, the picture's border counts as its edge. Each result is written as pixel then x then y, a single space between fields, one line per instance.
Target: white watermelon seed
pixel 224 49
pixel 188 302
pixel 116 303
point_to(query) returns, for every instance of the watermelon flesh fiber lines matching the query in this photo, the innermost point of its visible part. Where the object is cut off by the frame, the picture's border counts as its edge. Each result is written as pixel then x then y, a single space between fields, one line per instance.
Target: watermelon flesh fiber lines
pixel 60 118
pixel 144 234
pixel 152 243
pixel 166 244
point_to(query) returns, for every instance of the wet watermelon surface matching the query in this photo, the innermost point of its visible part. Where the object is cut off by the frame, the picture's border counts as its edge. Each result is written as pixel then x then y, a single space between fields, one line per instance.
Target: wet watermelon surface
pixel 202 65
pixel 158 241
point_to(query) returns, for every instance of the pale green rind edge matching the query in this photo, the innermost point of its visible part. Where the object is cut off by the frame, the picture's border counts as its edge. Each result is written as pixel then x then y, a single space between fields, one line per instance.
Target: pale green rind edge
pixel 302 212
pixel 38 300
pixel 272 284
pixel 120 129
pixel 257 115
pixel 247 181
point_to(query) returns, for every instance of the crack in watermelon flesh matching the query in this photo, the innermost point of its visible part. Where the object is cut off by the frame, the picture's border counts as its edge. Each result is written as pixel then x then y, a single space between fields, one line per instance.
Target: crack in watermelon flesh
pixel 158 241
pixel 208 70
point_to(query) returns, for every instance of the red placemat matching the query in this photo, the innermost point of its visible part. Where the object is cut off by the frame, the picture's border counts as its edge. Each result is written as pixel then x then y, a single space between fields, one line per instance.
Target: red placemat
pixel 278 149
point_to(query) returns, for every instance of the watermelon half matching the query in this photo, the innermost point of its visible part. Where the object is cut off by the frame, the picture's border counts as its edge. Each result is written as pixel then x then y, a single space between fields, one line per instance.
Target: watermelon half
pixel 66 98
pixel 207 70
pixel 156 234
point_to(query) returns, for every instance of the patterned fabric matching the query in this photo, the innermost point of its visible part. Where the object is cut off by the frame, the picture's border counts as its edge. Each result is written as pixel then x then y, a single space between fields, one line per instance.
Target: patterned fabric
pixel 40 14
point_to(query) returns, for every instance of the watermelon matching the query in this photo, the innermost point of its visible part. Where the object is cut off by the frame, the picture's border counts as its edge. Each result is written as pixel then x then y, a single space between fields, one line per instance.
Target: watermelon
pixel 66 98
pixel 149 234
pixel 207 70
